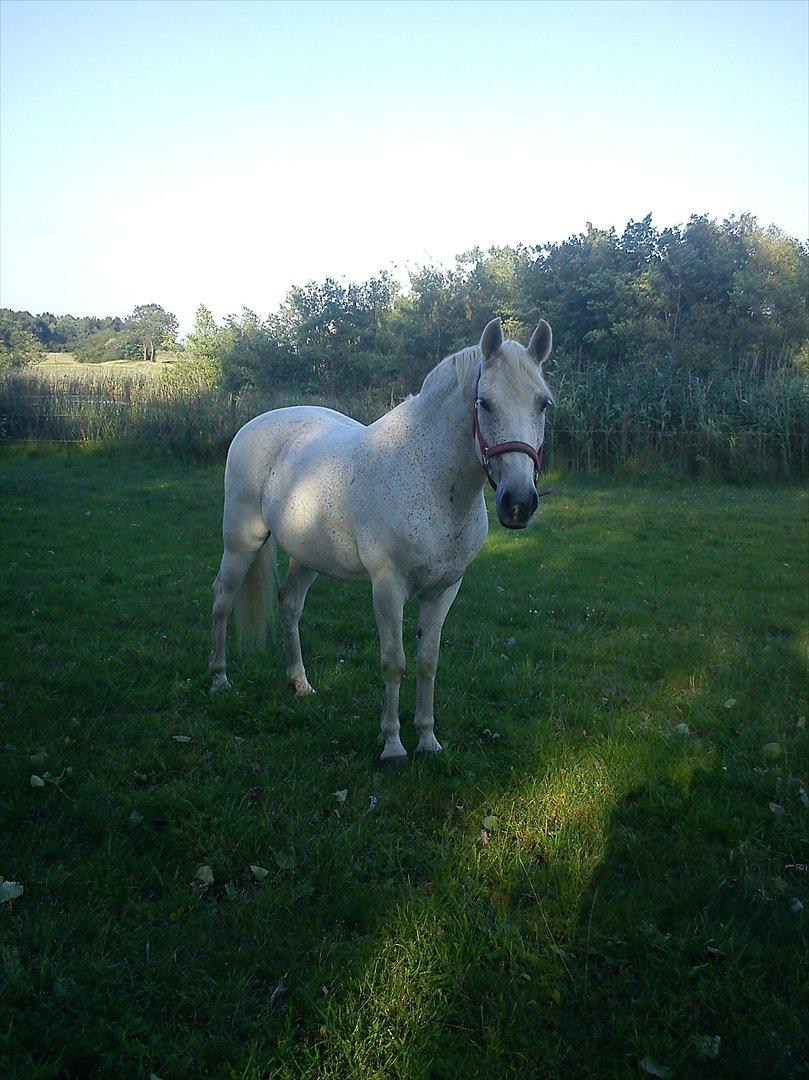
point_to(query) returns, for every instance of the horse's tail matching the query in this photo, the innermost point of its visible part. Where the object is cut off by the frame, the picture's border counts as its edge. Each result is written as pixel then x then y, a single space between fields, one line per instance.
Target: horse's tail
pixel 257 599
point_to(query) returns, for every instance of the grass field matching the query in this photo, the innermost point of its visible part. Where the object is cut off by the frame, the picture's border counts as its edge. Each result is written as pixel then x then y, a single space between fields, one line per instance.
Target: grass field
pixel 64 365
pixel 609 682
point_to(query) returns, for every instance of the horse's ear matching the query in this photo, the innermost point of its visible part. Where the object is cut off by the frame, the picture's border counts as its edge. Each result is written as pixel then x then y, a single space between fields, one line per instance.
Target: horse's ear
pixel 539 346
pixel 491 339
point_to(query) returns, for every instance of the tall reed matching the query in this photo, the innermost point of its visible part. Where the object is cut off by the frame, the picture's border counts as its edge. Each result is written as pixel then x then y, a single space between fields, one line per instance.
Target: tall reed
pixel 739 426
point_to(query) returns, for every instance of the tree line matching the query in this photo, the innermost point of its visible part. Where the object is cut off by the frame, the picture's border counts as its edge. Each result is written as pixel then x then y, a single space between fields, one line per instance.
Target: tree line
pixel 26 338
pixel 708 298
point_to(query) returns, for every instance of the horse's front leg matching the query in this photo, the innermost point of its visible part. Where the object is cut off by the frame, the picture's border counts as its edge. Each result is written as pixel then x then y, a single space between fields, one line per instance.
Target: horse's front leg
pixel 431 619
pixel 389 598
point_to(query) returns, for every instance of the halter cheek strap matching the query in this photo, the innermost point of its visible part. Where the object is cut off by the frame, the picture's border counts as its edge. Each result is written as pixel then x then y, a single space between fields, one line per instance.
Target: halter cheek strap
pixel 488 452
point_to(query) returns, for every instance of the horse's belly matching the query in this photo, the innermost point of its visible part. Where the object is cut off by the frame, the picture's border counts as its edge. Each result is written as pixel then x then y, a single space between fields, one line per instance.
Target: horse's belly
pixel 306 509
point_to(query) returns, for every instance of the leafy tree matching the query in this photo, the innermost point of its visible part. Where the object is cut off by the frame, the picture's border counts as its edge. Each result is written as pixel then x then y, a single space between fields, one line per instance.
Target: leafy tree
pixel 155 328
pixel 201 363
pixel 18 346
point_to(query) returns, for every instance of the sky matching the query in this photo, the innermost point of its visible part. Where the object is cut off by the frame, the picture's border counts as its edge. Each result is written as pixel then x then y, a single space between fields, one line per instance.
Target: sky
pixel 220 152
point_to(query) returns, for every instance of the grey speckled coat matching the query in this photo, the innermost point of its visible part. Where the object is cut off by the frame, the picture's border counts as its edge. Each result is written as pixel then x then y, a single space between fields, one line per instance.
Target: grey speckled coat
pixel 398 503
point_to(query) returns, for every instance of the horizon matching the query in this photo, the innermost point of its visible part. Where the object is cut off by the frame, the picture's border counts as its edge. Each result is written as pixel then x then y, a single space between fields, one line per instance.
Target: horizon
pixel 299 142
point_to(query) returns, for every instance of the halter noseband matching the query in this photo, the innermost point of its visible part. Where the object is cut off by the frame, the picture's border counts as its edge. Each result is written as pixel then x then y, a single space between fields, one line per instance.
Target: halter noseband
pixel 488 452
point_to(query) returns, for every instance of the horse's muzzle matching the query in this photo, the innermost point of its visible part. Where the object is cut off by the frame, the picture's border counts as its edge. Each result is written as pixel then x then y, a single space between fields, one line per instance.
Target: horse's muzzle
pixel 515 511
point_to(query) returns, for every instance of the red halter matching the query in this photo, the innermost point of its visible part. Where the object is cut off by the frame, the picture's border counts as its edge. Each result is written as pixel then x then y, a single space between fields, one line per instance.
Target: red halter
pixel 488 452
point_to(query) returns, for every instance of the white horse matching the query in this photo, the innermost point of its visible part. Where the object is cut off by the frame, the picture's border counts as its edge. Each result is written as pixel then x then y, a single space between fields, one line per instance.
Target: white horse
pixel 398 503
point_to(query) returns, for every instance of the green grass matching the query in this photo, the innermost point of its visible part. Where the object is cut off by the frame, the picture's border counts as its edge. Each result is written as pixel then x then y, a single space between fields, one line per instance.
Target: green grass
pixel 635 897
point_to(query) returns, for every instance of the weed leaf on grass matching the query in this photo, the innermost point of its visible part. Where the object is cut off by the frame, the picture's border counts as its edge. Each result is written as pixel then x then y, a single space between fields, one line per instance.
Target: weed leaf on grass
pixel 10 890
pixel 285 858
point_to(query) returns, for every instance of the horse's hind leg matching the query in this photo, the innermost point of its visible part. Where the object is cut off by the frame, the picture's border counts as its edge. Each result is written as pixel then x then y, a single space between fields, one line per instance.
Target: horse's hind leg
pixel 235 564
pixel 291 597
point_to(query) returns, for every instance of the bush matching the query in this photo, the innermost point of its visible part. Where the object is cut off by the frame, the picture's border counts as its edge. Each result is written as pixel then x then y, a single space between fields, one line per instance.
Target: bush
pixel 18 347
pixel 103 346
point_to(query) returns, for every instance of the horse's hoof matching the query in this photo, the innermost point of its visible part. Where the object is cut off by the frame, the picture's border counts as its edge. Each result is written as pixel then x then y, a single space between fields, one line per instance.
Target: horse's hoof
pixel 302 687
pixel 431 746
pixel 220 682
pixel 394 763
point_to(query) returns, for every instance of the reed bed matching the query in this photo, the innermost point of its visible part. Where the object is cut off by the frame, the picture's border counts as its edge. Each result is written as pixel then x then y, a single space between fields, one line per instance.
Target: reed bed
pixel 741 426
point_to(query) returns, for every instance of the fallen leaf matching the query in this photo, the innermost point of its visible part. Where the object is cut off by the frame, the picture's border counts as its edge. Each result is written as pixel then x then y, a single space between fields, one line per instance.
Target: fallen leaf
pixel 39 758
pixel 653 1067
pixel 204 875
pixel 181 738
pixel 341 795
pixel 230 890
pixel 135 818
pixel 802 795
pixel 483 838
pixel 65 988
pixel 708 1045
pixel 10 890
pixel 259 872
pixel 682 729
pixel 731 701
pixel 371 806
pixel 776 808
pixel 795 906
pixel 511 642
pixel 490 823
pixel 37 781
pixel 771 751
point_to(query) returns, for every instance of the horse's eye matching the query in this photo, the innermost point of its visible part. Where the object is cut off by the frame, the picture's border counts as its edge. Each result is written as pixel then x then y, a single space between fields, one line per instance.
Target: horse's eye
pixel 544 403
pixel 484 404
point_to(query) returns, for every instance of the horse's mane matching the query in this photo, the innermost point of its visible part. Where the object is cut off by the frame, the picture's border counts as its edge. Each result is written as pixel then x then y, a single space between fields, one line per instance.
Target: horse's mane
pixel 466 363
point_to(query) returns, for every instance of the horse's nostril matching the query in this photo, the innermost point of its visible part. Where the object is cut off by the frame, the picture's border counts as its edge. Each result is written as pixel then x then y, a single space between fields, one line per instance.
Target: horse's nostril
pixel 534 501
pixel 506 500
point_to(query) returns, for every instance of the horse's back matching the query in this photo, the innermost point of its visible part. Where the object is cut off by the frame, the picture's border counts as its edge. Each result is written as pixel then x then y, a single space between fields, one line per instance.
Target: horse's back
pixel 265 438
pixel 293 468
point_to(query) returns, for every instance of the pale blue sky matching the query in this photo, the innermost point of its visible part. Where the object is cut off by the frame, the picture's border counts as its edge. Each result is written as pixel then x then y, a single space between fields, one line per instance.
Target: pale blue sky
pixel 220 152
